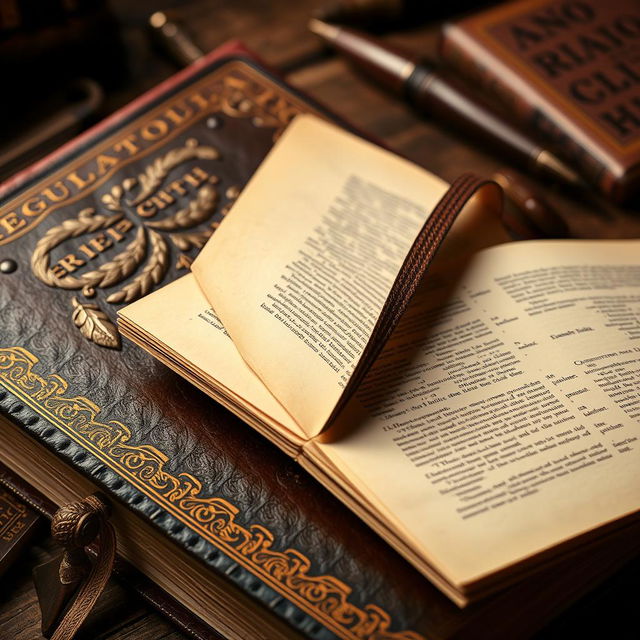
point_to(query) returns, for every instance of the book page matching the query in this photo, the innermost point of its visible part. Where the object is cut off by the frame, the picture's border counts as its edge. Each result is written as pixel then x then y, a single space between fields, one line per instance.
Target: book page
pixel 180 322
pixel 504 415
pixel 300 269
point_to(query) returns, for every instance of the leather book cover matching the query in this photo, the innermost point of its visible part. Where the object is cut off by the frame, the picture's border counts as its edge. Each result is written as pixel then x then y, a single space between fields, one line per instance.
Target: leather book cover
pixel 124 209
pixel 569 71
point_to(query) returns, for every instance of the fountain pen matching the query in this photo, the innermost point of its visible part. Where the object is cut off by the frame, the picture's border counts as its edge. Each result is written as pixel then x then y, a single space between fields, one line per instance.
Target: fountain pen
pixel 429 91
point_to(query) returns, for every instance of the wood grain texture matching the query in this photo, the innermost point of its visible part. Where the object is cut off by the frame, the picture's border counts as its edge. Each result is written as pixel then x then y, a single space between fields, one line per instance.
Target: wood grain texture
pixel 276 30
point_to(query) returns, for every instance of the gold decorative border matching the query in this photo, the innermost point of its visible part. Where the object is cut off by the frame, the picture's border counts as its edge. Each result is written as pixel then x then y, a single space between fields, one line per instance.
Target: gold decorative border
pixel 324 597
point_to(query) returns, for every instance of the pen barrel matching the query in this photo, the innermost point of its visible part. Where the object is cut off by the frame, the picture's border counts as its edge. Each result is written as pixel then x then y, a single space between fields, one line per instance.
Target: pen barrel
pixel 443 98
pixel 182 47
pixel 445 101
pixel 386 65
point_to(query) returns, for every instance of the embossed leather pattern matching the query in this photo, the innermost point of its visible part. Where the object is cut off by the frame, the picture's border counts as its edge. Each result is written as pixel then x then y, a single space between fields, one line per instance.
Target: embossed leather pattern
pixel 119 212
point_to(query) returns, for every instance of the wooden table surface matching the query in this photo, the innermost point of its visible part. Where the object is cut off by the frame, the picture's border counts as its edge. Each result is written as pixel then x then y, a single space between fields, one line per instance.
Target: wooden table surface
pixel 276 30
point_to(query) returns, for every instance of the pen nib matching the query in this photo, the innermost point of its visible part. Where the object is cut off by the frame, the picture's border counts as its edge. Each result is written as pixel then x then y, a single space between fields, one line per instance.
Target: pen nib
pixel 550 164
pixel 323 29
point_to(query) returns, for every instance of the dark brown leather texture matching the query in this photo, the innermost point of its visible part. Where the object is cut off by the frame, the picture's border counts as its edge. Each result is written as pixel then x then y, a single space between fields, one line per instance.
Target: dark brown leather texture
pixel 113 216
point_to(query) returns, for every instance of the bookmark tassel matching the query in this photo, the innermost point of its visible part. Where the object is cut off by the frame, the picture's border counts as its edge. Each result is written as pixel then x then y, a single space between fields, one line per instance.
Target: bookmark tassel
pixel 79 582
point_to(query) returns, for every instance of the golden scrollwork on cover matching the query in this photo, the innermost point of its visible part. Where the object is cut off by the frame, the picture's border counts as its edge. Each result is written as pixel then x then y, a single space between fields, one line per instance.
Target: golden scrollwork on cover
pixel 216 519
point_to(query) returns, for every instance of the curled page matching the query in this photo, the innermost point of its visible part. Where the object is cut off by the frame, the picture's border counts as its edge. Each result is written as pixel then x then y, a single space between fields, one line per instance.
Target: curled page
pixel 303 266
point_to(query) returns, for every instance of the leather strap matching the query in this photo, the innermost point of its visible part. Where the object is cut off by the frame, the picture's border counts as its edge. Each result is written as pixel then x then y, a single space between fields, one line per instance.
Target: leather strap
pixel 96 580
pixel 135 581
pixel 413 269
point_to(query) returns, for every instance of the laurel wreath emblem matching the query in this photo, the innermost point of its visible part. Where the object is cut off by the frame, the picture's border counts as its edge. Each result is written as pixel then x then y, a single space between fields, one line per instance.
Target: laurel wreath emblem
pixel 152 273
pixel 107 274
pixel 238 97
pixel 151 178
pixel 197 212
pixel 94 324
pixel 149 249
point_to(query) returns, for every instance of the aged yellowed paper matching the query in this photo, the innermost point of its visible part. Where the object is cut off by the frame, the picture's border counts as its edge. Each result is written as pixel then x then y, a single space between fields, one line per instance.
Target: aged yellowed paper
pixel 504 415
pixel 302 266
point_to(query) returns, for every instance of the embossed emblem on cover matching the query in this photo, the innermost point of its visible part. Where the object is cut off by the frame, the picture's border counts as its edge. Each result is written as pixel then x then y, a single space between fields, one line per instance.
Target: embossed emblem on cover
pixel 146 257
pixel 155 197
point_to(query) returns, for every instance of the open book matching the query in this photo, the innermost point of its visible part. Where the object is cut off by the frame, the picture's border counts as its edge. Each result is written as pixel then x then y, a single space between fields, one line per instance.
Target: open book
pixel 499 423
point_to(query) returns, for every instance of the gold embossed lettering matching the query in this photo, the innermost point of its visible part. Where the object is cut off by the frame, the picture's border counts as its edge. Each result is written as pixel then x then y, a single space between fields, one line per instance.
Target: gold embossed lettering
pixel 114 234
pixel 200 173
pixel 10 222
pixel 176 187
pixel 199 100
pixel 123 225
pixel 192 180
pixel 179 113
pixel 235 82
pixel 70 262
pixel 168 198
pixel 146 209
pixel 160 204
pixel 128 144
pixel 155 129
pixel 33 207
pixel 58 271
pixel 90 254
pixel 81 182
pixel 56 192
pixel 100 242
pixel 104 163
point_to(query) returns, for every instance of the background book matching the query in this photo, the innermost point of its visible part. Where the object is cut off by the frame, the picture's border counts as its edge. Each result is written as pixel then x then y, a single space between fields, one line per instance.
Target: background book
pixel 569 72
